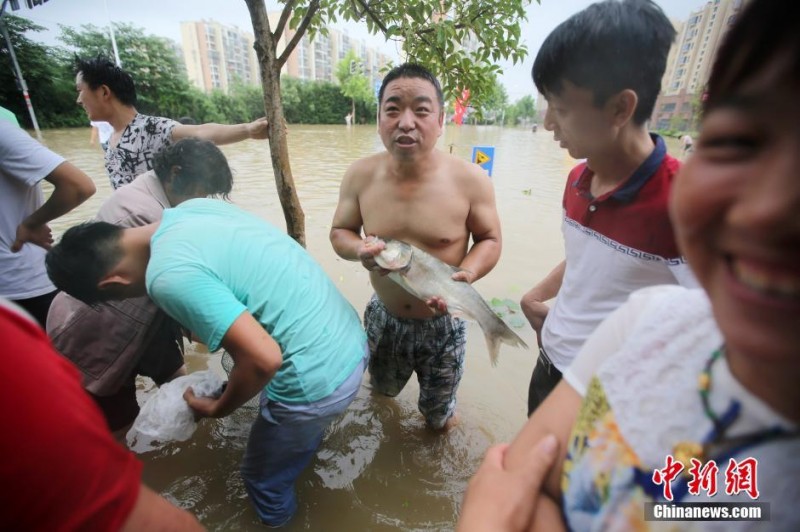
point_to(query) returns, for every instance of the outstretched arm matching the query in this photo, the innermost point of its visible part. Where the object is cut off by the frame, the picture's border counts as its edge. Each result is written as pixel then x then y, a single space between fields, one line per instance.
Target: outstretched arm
pixel 256 359
pixel 223 133
pixel 72 187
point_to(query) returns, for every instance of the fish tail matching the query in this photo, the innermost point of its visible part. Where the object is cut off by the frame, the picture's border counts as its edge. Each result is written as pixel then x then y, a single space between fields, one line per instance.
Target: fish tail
pixel 493 344
pixel 501 333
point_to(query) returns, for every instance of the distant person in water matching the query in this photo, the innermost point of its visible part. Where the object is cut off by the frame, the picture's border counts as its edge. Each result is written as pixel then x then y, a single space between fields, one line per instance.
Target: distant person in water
pixel 101 133
pixel 108 93
pixel 687 142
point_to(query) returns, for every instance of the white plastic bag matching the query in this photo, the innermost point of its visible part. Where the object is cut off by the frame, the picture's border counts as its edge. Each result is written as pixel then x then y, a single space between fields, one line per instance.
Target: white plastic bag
pixel 166 416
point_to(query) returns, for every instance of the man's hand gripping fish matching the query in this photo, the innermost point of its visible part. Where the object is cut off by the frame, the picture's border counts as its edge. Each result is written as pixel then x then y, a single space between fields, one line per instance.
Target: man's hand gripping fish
pixel 424 276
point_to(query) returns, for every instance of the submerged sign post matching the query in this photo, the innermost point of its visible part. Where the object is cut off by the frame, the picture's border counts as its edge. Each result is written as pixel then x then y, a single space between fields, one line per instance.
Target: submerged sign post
pixel 483 156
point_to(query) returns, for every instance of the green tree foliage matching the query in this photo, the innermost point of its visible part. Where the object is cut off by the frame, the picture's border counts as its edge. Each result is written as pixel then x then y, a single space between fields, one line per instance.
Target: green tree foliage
pixel 494 105
pixel 50 81
pixel 313 102
pixel 197 105
pixel 523 110
pixel 355 85
pixel 251 97
pixel 461 41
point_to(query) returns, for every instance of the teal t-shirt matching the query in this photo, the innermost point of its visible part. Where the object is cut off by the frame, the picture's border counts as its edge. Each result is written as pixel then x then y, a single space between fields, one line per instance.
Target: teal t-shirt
pixel 210 261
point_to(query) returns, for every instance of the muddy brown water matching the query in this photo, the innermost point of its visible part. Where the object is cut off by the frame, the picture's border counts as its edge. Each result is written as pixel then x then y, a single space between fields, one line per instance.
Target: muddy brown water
pixel 378 468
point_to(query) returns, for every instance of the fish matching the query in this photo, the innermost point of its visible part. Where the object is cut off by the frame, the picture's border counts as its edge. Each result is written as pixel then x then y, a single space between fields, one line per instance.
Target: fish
pixel 424 276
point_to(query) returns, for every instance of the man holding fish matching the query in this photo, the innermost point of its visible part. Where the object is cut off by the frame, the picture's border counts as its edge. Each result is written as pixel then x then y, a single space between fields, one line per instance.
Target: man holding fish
pixel 435 202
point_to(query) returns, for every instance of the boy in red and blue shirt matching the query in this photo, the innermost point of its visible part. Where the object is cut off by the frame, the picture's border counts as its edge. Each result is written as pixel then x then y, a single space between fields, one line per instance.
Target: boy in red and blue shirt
pixel 600 72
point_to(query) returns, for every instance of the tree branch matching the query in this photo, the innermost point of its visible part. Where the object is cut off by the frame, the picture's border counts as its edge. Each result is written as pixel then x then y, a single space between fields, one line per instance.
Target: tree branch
pixel 301 29
pixel 260 20
pixel 373 16
pixel 462 25
pixel 358 13
pixel 287 10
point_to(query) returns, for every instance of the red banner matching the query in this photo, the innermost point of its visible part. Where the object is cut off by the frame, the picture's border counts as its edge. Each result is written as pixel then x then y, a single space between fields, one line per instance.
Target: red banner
pixel 461 107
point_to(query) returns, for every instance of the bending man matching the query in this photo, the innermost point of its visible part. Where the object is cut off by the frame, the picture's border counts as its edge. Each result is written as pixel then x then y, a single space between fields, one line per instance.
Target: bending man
pixel 239 283
pixel 111 343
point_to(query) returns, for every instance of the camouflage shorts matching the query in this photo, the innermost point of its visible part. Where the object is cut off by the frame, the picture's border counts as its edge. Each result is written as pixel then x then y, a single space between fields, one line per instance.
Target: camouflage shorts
pixel 434 348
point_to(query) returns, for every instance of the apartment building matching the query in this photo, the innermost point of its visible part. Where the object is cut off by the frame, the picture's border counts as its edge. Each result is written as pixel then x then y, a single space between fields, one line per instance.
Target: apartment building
pixel 216 55
pixel 689 63
pixel 317 59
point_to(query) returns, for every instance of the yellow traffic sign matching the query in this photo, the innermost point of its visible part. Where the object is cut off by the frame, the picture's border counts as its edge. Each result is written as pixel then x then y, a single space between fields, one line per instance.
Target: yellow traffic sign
pixel 481 157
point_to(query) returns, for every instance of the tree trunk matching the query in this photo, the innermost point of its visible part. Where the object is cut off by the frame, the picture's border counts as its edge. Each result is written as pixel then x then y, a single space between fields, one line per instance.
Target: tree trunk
pixel 279 148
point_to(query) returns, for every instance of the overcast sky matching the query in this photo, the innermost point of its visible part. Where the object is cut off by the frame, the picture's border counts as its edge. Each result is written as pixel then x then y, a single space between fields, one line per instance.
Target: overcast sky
pixel 163 17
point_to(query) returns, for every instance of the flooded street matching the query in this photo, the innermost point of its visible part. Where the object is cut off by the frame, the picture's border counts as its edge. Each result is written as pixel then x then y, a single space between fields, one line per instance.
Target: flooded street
pixel 378 468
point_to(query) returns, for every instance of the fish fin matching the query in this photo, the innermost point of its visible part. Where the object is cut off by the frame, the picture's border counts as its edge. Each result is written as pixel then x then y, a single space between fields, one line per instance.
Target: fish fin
pixel 493 345
pixel 499 335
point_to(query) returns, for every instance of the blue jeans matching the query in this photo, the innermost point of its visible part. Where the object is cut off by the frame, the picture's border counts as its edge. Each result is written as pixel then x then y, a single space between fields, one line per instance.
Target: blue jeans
pixel 282 442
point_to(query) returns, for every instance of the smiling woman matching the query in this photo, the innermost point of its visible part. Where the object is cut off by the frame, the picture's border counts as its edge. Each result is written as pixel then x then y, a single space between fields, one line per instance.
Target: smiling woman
pixel 736 204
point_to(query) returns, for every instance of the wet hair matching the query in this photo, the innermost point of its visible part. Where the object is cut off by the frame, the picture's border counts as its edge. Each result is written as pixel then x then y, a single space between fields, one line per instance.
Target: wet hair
pixel 412 70
pixel 608 47
pixel 765 31
pixel 195 167
pixel 83 257
pixel 100 71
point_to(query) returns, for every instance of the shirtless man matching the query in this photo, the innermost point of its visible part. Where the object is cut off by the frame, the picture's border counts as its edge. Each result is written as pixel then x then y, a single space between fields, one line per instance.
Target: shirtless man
pixel 430 199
